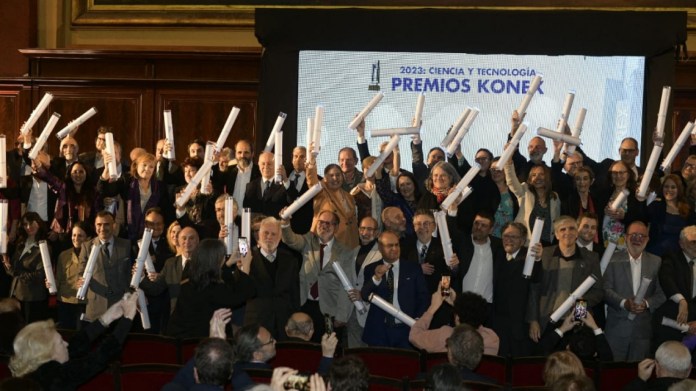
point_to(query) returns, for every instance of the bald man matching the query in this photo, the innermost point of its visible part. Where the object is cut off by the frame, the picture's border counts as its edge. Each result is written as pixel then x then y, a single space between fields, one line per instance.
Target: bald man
pixel 263 195
pixel 299 327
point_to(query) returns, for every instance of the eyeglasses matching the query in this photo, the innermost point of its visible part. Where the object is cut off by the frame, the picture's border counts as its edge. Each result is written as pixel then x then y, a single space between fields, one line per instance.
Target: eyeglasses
pixel 272 340
pixel 482 159
pixel 637 236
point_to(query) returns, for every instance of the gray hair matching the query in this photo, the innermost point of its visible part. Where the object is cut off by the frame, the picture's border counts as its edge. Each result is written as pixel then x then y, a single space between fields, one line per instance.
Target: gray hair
pixel 674 358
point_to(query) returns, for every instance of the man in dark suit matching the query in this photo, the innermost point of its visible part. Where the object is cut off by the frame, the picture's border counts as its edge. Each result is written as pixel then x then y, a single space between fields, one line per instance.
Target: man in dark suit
pixel 511 292
pixel 94 159
pixel 263 195
pixel 302 219
pixel 676 278
pixel 112 271
pixel 464 351
pixel 563 268
pixel 630 338
pixel 398 282
pixel 275 273
pixel 236 177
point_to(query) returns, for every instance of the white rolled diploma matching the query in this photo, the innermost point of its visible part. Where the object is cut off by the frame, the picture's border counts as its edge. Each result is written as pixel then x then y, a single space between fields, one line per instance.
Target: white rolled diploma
pixel 246 223
pixel 111 150
pixel 195 181
pixel 366 110
pixel 229 223
pixel 316 128
pixel 391 310
pixel 278 158
pixel 649 170
pixel 462 131
pixel 536 82
pixel 222 138
pixel 36 113
pixel 3 161
pixel 383 156
pixel 577 293
pixel 461 186
pixel 447 202
pixel 570 149
pixel 149 264
pixel 301 201
pixel 419 110
pixel 455 128
pixel 48 267
pixel 553 135
pixel 169 134
pixel 271 142
pixel 678 145
pixel 669 322
pixel 359 305
pixel 75 123
pixel 143 253
pixel 512 146
pixel 565 112
pixel 144 314
pixel 536 238
pixel 310 132
pixel 89 269
pixel 4 215
pixel 445 238
pixel 620 199
pixel 640 295
pixel 392 131
pixel 606 256
pixel 208 156
pixel 662 113
pixel 39 143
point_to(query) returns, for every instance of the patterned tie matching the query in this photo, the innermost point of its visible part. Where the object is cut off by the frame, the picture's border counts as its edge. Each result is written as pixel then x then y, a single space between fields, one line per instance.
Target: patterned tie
pixel 314 290
pixel 390 295
pixel 267 188
pixel 424 251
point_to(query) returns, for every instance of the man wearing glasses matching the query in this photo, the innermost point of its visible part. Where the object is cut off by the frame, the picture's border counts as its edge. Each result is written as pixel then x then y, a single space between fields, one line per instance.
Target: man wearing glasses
pixel 628 326
pixel 321 292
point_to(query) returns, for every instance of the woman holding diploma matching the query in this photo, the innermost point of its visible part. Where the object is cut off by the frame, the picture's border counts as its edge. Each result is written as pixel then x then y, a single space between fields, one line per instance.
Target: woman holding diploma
pixel 26 268
pixel 621 178
pixel 42 355
pixel 440 183
pixel 365 194
pixel 140 191
pixel 333 197
pixel 536 199
pixel 77 200
pixel 199 205
pixel 408 192
pixel 668 215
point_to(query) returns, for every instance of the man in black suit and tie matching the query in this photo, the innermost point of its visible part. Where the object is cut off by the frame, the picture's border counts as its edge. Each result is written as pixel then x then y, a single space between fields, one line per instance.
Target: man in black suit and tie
pixel 398 282
pixel 302 219
pixel 511 292
pixel 263 195
pixel 677 281
pixel 112 271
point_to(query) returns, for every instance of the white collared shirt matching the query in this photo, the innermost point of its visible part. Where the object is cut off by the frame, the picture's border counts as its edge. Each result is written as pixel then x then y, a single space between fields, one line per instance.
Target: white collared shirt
pixel 274 254
pixel 299 177
pixel 395 270
pixel 479 278
pixel 38 198
pixel 635 271
pixel 240 184
pixel 589 247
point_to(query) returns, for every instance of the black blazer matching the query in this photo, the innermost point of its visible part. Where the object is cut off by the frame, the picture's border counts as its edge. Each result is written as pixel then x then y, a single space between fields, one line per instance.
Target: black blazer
pixel 302 219
pixel 268 204
pixel 434 256
pixel 466 254
pixel 230 177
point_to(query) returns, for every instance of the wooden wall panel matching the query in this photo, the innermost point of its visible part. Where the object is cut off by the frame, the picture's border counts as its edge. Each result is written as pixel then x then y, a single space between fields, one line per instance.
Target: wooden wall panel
pixel 202 114
pixel 14 101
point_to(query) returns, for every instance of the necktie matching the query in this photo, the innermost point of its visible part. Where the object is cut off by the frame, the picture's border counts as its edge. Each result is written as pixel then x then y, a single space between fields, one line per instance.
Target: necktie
pixel 293 181
pixel 390 295
pixel 314 290
pixel 421 257
pixel 268 187
pixel 509 257
pixel 105 249
pixel 270 257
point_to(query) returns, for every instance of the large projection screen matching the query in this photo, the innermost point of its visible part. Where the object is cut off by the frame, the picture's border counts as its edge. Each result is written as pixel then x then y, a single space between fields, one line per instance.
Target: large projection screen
pixel 609 88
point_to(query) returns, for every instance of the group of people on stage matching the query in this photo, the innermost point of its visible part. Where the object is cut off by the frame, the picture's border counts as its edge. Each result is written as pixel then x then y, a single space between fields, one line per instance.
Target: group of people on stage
pixel 380 229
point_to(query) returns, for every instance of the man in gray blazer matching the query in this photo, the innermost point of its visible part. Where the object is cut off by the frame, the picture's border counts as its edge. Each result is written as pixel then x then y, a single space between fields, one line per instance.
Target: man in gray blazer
pixel 630 338
pixel 112 270
pixel 321 292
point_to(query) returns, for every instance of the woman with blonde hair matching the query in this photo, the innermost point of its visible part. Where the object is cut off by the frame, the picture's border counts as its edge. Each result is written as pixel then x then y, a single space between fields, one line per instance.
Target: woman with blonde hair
pixel 561 363
pixel 41 354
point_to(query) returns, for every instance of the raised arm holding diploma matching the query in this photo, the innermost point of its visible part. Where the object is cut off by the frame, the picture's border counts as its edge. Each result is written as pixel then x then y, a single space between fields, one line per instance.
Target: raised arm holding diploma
pixel 359 305
pixel 567 104
pixel 316 129
pixel 38 145
pixel 382 156
pixel 143 253
pixel 208 156
pixel 310 133
pixel 278 158
pixel 662 114
pixel 366 111
pixel 419 110
pixel 649 170
pixel 301 201
pixel 391 310
pixel 512 146
pixel 220 143
pixel 455 128
pixel 111 150
pixel 462 131
pixel 678 145
pixel 578 293
pixel 640 295
pixel 169 134
pixel 443 231
pixel 195 181
pixel 536 82
pixel 536 238
pixel 48 267
pixel 36 113
pixel 277 127
pixel 229 223
pixel 75 123
pixel 620 199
